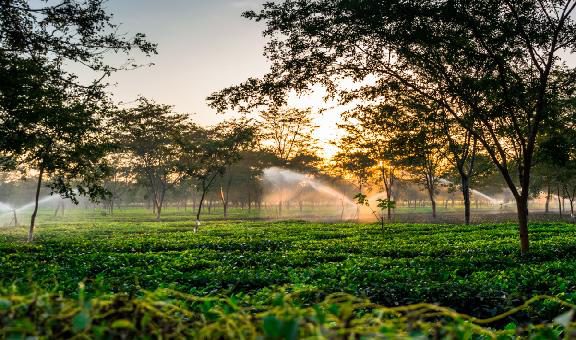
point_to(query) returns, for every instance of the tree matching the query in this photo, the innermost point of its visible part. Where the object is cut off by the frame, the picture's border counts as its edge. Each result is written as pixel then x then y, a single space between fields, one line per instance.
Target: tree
pixel 65 32
pixel 453 143
pixel 365 132
pixel 420 148
pixel 149 134
pixel 209 152
pixel 38 41
pixel 65 141
pixel 495 61
pixel 358 164
pixel 49 120
pixel 288 134
pixel 119 180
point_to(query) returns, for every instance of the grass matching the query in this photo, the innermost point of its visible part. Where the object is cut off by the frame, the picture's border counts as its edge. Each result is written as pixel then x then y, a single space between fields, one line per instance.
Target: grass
pixel 471 269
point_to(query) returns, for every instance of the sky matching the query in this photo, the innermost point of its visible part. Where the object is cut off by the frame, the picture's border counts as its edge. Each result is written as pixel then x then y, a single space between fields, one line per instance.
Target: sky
pixel 203 46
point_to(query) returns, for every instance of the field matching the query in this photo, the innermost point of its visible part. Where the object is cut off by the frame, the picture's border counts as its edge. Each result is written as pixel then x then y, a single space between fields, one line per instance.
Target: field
pixel 474 270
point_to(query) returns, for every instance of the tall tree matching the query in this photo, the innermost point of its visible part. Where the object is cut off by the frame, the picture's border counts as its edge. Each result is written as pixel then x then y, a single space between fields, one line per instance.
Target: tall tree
pixel 63 139
pixel 495 59
pixel 148 134
pixel 49 120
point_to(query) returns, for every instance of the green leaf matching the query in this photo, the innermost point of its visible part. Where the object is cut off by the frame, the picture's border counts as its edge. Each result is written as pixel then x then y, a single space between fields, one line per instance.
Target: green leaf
pixel 81 321
pixel 123 323
pixel 5 304
pixel 272 326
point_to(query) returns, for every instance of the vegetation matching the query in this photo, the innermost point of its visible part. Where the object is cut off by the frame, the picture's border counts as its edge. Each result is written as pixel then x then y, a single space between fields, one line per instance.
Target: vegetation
pixel 471 269
pixel 436 97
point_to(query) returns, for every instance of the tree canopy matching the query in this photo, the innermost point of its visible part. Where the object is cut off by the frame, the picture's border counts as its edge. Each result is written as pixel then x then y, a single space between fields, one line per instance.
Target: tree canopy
pixel 493 66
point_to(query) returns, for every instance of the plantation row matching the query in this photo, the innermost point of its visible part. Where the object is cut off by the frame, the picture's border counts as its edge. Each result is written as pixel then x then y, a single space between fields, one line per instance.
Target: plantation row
pixel 475 269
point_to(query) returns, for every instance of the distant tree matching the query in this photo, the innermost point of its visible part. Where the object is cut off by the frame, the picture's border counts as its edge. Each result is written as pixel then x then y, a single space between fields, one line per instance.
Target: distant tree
pixel 288 134
pixel 420 150
pixel 242 177
pixel 209 152
pixel 405 134
pixel 119 181
pixel 364 132
pixel 556 166
pixel 148 134
pixel 456 144
pixel 356 164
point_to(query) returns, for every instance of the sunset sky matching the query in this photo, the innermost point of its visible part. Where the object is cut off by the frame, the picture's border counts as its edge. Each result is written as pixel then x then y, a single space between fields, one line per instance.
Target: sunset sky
pixel 203 46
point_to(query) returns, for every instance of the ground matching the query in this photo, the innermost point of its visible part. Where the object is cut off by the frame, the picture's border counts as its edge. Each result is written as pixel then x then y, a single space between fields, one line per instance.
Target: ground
pixel 474 269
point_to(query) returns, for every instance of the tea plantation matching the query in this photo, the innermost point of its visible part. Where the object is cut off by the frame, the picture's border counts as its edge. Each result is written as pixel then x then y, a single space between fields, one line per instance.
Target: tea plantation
pixel 278 279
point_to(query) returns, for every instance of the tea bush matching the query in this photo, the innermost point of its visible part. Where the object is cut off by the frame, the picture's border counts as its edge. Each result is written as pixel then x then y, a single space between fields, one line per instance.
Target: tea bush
pixel 471 269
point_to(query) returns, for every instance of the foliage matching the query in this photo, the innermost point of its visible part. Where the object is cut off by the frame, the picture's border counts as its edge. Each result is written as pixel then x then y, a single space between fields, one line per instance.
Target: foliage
pixel 209 153
pixel 50 121
pixel 471 269
pixel 147 137
pixel 288 134
pixel 278 314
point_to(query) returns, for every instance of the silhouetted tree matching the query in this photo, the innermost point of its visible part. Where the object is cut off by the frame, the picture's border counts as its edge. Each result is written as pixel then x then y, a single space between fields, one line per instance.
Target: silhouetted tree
pixel 496 59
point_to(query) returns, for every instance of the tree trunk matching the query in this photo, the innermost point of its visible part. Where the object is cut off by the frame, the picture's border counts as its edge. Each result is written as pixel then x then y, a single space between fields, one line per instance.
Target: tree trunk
pixel 158 211
pixel 15 218
pixel 224 200
pixel 559 200
pixel 33 218
pixel 199 211
pixel 547 205
pixel 280 208
pixel 249 203
pixel 522 206
pixel 432 201
pixel 466 196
